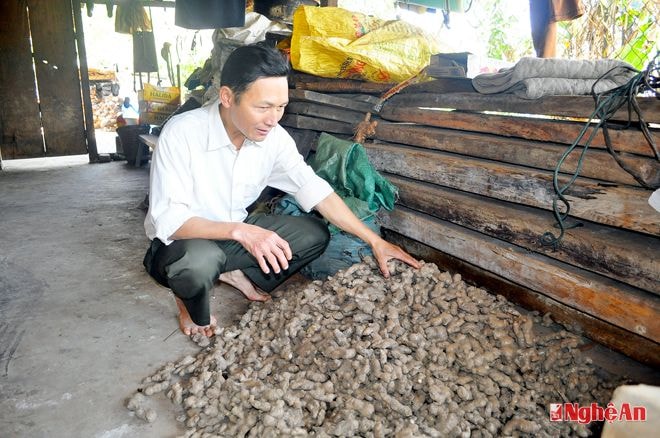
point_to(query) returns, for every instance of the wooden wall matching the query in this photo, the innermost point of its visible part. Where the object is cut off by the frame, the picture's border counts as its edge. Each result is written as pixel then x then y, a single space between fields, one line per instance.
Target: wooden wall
pixel 475 181
pixel 39 80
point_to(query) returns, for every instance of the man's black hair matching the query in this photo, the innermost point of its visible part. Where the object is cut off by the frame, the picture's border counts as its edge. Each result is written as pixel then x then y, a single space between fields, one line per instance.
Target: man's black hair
pixel 248 63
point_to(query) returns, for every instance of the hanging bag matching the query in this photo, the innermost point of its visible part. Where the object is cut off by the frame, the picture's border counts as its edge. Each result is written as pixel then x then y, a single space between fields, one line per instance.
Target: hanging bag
pixel 145 59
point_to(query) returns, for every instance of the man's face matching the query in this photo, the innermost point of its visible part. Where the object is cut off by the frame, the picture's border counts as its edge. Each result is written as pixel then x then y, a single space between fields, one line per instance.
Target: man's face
pixel 259 109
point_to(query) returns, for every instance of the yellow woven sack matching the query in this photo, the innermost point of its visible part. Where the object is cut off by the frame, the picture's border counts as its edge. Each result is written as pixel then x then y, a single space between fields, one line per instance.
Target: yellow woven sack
pixel 336 43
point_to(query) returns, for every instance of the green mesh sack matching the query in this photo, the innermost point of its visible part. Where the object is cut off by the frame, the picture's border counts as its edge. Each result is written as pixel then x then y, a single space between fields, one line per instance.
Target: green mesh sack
pixel 346 167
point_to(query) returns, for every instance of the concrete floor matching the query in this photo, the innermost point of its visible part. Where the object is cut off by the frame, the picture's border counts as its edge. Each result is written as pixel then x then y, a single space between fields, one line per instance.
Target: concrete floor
pixel 81 323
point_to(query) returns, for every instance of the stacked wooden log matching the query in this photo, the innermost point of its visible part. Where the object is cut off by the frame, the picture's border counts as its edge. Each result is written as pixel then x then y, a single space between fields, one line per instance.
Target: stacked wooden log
pixel 475 175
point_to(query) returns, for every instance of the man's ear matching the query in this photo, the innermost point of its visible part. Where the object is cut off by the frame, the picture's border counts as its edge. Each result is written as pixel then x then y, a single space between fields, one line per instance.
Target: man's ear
pixel 226 96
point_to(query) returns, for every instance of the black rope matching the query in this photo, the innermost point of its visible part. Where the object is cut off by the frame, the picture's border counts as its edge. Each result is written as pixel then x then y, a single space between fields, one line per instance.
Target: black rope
pixel 606 105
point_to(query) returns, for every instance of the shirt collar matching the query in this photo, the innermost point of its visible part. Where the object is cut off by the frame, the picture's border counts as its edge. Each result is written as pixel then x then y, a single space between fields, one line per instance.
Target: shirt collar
pixel 218 137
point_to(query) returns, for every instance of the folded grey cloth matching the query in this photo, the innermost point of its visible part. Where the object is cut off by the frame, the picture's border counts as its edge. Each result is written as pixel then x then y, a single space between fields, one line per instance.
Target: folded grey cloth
pixel 532 78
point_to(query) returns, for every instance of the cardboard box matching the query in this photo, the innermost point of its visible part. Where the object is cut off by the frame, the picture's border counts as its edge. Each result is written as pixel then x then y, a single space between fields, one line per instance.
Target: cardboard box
pixel 167 95
pixel 156 107
pixel 153 118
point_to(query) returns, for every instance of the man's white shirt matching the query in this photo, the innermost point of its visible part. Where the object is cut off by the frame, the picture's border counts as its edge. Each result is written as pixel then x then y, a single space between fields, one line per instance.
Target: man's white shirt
pixel 197 171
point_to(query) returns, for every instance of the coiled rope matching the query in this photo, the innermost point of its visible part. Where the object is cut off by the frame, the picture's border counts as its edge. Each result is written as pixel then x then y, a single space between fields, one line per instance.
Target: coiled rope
pixel 606 105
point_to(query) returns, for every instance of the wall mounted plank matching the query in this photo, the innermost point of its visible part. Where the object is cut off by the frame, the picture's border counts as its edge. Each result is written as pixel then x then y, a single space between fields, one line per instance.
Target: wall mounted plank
pixel 616 303
pixel 625 256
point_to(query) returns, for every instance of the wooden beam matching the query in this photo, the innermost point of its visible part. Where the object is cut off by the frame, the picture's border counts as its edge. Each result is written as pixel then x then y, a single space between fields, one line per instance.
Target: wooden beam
pixel 324 112
pixel 628 140
pixel 567 106
pixel 597 164
pixel 90 133
pixel 306 140
pixel 316 124
pixel 327 99
pixel 625 256
pixel 620 305
pixel 625 207
pixel 442 85
pixel 371 100
pixel 611 336
pixel 304 81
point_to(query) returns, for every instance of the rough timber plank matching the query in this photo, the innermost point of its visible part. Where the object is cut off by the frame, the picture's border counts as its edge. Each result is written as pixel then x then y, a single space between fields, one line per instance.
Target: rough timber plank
pixel 442 85
pixel 625 207
pixel 306 140
pixel 326 99
pixel 316 124
pixel 304 81
pixel 616 303
pixel 324 112
pixel 597 164
pixel 625 256
pixel 630 344
pixel 567 106
pixel 626 140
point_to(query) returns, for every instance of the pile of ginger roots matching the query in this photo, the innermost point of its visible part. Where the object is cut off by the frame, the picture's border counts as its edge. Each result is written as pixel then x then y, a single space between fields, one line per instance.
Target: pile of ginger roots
pixel 419 354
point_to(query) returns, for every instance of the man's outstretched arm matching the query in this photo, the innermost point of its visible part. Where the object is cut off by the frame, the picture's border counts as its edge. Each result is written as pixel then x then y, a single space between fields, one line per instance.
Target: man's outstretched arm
pixel 335 210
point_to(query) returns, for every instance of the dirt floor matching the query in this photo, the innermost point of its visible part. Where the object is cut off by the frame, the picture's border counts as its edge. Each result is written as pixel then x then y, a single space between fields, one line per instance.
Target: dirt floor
pixel 81 323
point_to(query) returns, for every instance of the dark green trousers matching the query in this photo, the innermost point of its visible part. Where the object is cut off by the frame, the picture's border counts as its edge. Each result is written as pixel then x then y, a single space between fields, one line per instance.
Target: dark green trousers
pixel 191 266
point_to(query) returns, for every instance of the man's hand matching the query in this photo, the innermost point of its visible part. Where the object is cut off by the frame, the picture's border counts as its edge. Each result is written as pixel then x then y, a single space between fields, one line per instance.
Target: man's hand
pixel 385 251
pixel 265 245
pixel 335 210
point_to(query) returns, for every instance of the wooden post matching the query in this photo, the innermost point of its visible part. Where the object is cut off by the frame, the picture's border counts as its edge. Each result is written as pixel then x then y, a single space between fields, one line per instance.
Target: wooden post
pixel 90 132
pixel 20 136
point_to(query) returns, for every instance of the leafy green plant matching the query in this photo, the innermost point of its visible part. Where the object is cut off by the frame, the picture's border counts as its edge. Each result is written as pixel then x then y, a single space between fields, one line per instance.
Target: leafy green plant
pixel 497 27
pixel 619 29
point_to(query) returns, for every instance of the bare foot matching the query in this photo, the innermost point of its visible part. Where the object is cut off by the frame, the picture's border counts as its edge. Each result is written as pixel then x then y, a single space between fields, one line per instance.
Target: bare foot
pixel 188 327
pixel 238 280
